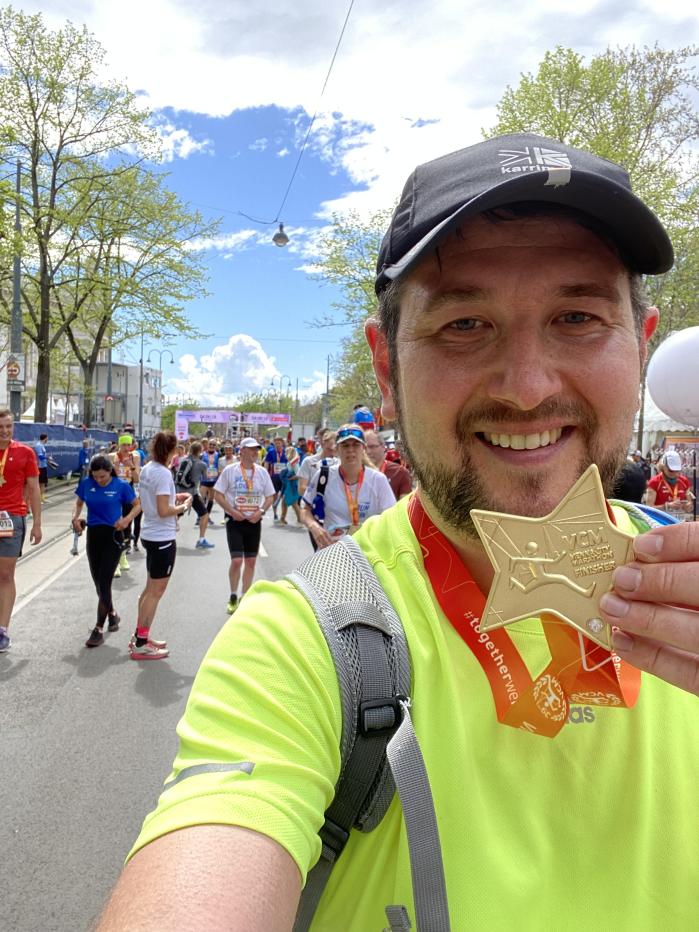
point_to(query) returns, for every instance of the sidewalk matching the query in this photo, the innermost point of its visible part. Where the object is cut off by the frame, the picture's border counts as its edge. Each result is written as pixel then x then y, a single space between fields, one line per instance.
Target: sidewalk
pixel 41 563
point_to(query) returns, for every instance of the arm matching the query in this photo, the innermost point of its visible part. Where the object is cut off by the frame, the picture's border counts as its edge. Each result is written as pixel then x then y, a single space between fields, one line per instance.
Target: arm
pixel 166 510
pixel 213 877
pixel 31 488
pixel 649 496
pixel 220 500
pixel 316 530
pixel 75 517
pixel 124 522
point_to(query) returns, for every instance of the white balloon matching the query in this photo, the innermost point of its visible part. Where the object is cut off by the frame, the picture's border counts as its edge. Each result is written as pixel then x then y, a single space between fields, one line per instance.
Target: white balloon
pixel 673 376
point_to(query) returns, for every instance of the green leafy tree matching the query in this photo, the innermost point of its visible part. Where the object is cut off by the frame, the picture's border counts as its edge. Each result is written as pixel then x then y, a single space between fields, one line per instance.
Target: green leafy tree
pixel 71 130
pixel 348 261
pixel 635 107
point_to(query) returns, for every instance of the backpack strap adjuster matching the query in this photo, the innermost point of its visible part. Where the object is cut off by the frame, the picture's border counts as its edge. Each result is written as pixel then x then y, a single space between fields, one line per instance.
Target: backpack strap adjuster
pixel 333 837
pixel 380 716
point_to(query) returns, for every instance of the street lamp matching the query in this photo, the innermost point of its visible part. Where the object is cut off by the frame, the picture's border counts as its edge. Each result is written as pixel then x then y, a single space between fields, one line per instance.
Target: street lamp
pixel 159 353
pixel 280 238
pixel 281 385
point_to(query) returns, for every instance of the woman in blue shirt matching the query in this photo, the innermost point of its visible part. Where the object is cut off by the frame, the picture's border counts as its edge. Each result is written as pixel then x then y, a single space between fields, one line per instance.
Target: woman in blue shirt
pixel 104 494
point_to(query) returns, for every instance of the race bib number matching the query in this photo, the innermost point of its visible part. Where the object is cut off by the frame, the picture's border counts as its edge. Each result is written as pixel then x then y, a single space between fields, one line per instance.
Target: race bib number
pixel 211 472
pixel 247 502
pixel 121 471
pixel 7 528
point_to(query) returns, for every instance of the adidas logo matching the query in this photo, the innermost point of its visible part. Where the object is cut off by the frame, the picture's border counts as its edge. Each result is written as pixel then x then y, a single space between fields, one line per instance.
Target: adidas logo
pixel 532 159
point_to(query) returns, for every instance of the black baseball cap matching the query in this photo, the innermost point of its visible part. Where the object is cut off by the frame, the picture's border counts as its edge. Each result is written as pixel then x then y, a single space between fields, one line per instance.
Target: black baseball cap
pixel 441 194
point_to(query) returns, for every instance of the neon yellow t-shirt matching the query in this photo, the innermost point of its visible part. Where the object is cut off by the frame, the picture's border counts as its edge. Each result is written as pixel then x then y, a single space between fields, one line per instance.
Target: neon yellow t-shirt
pixel 595 829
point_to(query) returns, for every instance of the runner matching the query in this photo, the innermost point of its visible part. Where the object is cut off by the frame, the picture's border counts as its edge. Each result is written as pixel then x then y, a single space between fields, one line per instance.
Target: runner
pixel 210 458
pixel 127 466
pixel 290 485
pixel 275 461
pixel 398 476
pixel 161 507
pixel 44 461
pixel 313 465
pixel 188 481
pixel 111 506
pixel 354 491
pixel 228 458
pixel 669 489
pixel 245 492
pixel 19 481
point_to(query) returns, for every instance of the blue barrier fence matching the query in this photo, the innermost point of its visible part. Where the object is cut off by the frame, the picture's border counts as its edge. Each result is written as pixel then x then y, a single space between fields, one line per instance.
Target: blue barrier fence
pixel 64 443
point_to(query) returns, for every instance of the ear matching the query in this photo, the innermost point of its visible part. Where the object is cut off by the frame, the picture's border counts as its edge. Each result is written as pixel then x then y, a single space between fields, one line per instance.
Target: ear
pixel 378 344
pixel 649 326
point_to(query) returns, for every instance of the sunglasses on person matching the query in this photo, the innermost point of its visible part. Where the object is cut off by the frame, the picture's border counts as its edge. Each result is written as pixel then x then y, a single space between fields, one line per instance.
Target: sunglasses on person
pixel 351 433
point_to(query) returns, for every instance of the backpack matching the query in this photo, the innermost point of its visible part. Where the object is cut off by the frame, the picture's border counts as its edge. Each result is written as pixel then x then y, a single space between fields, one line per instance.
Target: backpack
pixel 183 476
pixel 318 507
pixel 379 749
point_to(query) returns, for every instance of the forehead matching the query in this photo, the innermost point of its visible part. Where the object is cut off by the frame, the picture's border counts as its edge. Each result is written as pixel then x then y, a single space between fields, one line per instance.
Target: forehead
pixel 351 443
pixel 495 253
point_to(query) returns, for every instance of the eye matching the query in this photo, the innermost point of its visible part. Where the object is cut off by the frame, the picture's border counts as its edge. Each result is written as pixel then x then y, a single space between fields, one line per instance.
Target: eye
pixel 576 317
pixel 465 324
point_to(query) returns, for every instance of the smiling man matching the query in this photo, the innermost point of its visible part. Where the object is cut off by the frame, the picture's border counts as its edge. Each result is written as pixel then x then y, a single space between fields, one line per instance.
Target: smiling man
pixel 509 341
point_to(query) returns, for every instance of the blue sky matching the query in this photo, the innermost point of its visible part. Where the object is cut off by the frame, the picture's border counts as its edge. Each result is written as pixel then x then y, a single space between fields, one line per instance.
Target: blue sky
pixel 233 86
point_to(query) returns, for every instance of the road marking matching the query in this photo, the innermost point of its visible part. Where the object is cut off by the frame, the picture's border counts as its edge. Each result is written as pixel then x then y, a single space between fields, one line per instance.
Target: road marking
pixel 44 585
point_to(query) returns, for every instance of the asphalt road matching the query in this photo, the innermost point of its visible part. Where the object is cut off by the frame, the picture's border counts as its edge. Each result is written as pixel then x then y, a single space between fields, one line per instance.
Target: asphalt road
pixel 87 737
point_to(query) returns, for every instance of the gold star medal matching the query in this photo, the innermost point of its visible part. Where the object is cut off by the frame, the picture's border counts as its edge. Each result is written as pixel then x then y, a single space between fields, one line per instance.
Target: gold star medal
pixel 561 564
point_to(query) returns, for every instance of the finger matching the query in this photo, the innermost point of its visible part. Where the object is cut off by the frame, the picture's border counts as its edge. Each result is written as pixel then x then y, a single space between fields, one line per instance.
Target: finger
pixel 677 583
pixel 670 664
pixel 669 624
pixel 673 544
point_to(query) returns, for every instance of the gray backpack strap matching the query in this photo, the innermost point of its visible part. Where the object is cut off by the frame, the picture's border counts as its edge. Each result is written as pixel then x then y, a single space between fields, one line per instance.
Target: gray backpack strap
pixel 367 643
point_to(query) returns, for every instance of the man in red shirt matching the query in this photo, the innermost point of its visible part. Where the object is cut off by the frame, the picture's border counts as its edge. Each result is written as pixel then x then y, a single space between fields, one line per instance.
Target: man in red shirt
pixel 669 489
pixel 398 476
pixel 19 470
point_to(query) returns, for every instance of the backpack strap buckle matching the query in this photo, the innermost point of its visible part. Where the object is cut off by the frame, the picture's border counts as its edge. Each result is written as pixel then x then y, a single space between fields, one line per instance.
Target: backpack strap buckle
pixel 380 716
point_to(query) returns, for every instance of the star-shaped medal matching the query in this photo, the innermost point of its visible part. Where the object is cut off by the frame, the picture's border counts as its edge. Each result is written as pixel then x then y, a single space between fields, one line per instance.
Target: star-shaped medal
pixel 561 564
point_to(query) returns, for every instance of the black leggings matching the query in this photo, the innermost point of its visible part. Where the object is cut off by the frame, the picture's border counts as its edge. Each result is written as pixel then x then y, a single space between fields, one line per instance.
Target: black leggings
pixel 103 555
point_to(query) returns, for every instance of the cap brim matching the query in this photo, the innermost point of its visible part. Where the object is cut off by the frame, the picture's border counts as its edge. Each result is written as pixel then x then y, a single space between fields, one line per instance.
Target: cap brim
pixel 639 235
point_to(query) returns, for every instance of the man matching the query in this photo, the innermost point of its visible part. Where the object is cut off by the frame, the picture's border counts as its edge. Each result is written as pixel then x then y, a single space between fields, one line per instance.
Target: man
pixel 398 476
pixel 84 458
pixel 641 461
pixel 245 492
pixel 19 481
pixel 362 416
pixel 44 461
pixel 311 467
pixel 275 463
pixel 127 465
pixel 188 478
pixel 509 345
pixel 670 490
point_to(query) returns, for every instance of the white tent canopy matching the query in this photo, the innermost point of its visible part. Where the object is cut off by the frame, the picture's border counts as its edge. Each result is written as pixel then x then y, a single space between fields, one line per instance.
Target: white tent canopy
pixel 656 424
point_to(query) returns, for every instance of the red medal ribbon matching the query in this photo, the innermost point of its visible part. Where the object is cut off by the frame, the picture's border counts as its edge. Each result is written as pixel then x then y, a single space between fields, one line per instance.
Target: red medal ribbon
pixel 353 501
pixel 580 671
pixel 251 481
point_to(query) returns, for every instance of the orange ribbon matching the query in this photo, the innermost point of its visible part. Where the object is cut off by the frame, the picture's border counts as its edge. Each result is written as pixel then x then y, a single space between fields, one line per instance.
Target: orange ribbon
pixel 580 671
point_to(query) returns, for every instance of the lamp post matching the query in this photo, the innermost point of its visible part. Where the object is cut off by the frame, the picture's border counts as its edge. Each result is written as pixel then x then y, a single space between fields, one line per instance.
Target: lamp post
pixel 160 354
pixel 281 385
pixel 16 326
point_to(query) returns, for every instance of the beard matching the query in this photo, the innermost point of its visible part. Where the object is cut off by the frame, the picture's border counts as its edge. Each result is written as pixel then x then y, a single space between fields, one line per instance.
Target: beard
pixel 455 490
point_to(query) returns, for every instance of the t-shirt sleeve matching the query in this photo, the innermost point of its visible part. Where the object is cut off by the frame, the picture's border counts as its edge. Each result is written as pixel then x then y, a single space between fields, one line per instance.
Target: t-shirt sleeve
pixel 221 484
pixel 127 492
pixel 384 492
pixel 267 486
pixel 31 464
pixel 164 483
pixel 260 736
pixel 80 490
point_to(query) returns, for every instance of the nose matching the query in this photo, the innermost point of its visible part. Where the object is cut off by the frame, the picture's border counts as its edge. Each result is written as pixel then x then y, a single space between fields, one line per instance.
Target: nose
pixel 525 372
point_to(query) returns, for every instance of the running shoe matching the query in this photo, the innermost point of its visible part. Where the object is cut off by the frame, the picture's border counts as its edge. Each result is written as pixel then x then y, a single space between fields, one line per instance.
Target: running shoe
pixel 161 644
pixel 203 544
pixel 4 640
pixel 147 651
pixel 114 622
pixel 117 572
pixel 223 522
pixel 95 639
pixel 232 605
pixel 123 562
pixel 136 548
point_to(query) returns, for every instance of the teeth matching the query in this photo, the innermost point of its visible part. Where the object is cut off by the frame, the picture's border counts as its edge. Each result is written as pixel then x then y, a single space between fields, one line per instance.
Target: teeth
pixel 525 441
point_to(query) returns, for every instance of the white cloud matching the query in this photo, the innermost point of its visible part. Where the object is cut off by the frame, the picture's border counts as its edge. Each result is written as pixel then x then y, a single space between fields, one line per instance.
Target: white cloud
pixel 410 82
pixel 227 243
pixel 282 154
pixel 177 142
pixel 230 370
pixel 312 388
pixel 259 145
